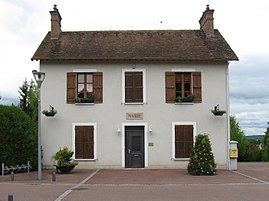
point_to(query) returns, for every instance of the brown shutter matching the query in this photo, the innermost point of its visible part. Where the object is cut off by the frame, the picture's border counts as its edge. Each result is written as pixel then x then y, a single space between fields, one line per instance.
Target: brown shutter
pixel 170 87
pixel 71 87
pixel 183 141
pixel 98 87
pixel 84 142
pixel 79 142
pixel 133 87
pixel 138 87
pixel 197 87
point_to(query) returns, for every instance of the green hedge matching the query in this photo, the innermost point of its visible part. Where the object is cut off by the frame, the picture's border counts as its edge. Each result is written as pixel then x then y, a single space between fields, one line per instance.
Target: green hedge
pixel 18 134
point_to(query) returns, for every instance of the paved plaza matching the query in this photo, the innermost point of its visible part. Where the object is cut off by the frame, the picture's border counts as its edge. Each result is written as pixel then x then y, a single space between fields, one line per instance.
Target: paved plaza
pixel 249 183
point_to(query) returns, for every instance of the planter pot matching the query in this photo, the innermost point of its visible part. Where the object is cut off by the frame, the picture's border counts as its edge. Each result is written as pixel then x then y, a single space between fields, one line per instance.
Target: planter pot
pixel 65 169
pixel 218 113
pixel 49 114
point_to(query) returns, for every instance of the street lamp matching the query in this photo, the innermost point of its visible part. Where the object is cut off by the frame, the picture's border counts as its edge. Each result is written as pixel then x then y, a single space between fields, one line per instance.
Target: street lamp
pixel 39 78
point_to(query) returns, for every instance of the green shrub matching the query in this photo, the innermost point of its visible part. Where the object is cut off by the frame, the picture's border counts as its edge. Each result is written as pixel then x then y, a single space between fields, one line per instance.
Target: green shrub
pixel 18 134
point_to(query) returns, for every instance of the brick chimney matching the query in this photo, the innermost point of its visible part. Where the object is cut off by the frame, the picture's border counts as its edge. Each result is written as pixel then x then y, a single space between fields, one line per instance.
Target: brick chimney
pixel 55 23
pixel 207 22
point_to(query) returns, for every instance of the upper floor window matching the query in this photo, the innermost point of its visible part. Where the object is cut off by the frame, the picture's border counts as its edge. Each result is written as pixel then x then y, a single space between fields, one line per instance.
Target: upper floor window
pixel 183 86
pixel 84 87
pixel 134 86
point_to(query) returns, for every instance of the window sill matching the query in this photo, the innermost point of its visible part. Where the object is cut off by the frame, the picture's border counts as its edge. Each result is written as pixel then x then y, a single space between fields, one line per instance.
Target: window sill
pixel 84 103
pixel 184 103
pixel 181 159
pixel 133 103
pixel 85 160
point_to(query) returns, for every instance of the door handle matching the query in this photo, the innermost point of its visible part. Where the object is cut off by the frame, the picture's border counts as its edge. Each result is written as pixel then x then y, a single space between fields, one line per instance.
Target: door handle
pixel 136 155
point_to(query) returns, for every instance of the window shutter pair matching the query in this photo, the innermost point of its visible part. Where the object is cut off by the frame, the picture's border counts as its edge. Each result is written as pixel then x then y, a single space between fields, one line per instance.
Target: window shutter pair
pixel 84 142
pixel 133 87
pixel 72 87
pixel 170 87
pixel 183 141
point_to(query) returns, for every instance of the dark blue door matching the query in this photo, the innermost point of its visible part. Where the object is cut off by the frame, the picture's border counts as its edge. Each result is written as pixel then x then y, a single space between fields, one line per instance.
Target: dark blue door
pixel 134 147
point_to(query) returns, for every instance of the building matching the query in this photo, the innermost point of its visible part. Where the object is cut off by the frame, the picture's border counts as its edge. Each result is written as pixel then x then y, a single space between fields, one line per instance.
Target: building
pixel 134 99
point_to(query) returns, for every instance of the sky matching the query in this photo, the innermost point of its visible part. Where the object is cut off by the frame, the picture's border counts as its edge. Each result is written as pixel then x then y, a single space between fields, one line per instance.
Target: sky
pixel 243 23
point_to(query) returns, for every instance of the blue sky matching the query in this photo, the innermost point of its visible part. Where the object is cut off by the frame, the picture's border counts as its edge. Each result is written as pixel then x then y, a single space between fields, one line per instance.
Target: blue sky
pixel 244 24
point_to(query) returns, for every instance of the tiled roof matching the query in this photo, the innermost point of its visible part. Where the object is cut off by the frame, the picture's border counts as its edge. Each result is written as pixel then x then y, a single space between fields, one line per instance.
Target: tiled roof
pixel 175 45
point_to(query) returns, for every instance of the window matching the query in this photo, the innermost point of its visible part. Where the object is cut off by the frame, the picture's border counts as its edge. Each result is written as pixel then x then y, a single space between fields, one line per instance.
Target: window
pixel 133 82
pixel 183 141
pixel 84 142
pixel 84 86
pixel 183 84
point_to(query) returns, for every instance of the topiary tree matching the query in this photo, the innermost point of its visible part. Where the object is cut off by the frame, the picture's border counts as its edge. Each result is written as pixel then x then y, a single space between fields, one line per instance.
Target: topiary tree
pixel 18 136
pixel 202 160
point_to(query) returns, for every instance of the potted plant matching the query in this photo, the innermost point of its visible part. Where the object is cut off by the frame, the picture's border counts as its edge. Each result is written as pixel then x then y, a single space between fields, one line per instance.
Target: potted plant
pixel 89 99
pixel 217 112
pixel 49 113
pixel 64 161
pixel 186 99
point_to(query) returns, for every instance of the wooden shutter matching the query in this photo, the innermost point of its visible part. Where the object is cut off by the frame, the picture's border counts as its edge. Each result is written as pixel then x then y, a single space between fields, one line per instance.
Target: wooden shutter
pixel 138 87
pixel 183 141
pixel 84 142
pixel 133 87
pixel 71 87
pixel 197 87
pixel 98 87
pixel 170 87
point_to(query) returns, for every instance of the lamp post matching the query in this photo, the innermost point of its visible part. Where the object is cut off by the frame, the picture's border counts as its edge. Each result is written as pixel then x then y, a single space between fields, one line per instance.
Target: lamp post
pixel 39 78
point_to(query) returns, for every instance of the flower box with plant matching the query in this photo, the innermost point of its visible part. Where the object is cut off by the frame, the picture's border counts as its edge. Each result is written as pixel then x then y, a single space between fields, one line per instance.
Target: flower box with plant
pixel 187 99
pixel 64 161
pixel 217 112
pixel 49 113
pixel 89 99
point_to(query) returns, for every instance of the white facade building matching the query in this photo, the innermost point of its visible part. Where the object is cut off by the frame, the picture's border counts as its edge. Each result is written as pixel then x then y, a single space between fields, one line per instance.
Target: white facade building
pixel 131 82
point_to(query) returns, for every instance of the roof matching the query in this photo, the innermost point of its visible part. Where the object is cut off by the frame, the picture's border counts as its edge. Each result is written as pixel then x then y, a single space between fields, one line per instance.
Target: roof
pixel 150 45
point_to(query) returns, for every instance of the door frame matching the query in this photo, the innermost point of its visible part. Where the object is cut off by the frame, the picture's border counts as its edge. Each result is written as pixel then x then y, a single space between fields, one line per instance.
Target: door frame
pixel 123 125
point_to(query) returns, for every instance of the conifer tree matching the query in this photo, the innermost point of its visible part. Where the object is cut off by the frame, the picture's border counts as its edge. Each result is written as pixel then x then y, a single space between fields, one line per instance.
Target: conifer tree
pixel 202 161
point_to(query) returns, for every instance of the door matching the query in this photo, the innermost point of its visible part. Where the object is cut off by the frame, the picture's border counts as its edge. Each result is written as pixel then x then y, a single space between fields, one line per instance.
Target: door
pixel 134 147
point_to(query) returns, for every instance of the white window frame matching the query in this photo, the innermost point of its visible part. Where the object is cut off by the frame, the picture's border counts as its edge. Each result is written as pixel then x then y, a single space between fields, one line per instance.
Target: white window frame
pixel 94 124
pixel 174 124
pixel 146 133
pixel 144 85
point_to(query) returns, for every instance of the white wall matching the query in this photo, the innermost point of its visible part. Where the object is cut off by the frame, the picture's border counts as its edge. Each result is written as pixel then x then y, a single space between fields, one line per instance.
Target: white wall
pixel 57 131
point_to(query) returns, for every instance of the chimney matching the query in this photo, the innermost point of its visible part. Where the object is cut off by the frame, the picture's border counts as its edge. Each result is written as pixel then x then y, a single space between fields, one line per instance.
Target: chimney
pixel 207 22
pixel 55 23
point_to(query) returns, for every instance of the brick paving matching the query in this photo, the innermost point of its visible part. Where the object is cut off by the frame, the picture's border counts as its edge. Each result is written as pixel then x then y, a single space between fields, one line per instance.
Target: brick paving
pixel 249 183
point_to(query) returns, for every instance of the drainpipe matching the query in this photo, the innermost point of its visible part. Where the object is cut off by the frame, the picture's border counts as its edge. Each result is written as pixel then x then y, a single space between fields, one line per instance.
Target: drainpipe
pixel 228 116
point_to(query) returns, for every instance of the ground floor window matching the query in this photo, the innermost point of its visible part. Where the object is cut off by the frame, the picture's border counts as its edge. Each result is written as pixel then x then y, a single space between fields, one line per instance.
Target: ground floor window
pixel 84 142
pixel 183 138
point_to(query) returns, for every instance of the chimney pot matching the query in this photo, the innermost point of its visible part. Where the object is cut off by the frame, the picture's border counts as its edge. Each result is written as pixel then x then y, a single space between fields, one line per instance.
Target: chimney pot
pixel 207 22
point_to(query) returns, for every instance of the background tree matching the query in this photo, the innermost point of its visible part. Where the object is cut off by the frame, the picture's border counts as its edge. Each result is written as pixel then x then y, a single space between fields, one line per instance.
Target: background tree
pixel 238 135
pixel 29 99
pixel 24 97
pixel 265 156
pixel 18 134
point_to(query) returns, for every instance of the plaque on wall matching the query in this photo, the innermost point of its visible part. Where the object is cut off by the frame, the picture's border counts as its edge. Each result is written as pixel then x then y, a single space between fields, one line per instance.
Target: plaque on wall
pixel 134 116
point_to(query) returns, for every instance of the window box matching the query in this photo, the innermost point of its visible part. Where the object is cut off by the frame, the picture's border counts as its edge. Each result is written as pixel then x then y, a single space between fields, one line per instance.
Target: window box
pixel 188 99
pixel 90 99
